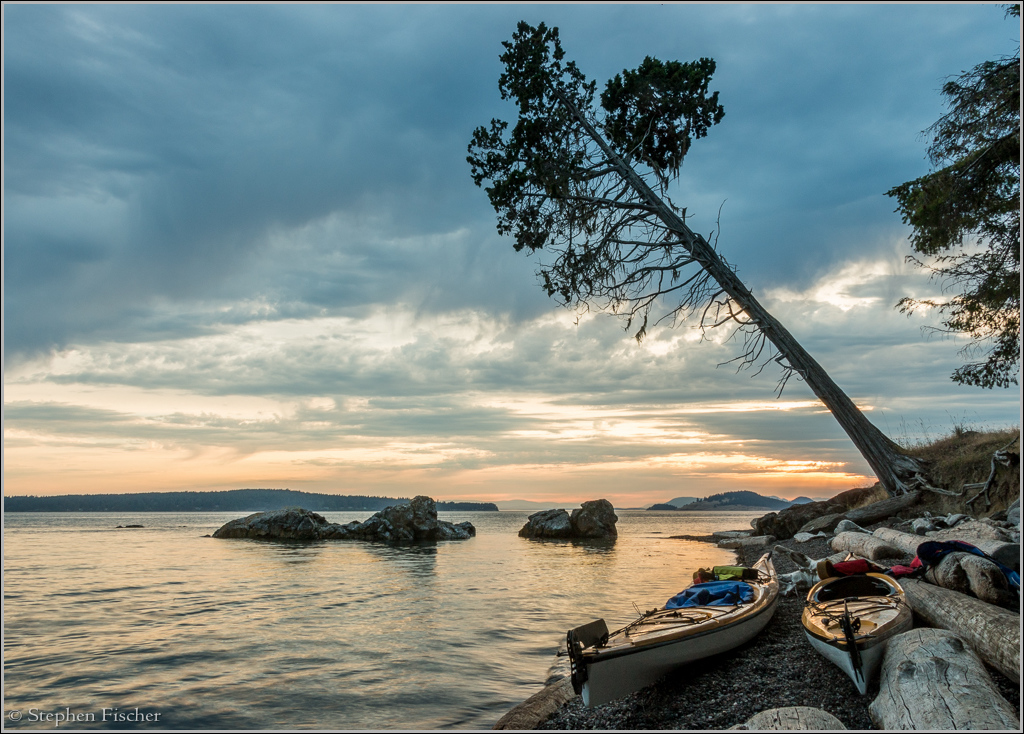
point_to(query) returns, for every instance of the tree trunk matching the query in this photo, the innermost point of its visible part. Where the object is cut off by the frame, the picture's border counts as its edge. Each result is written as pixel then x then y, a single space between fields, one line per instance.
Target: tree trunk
pixel 930 681
pixel 792 718
pixel 864 545
pixel 894 469
pixel 993 633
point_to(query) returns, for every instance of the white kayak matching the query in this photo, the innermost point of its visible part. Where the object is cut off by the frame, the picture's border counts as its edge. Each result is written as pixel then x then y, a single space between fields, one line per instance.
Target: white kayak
pixel 606 666
pixel 848 619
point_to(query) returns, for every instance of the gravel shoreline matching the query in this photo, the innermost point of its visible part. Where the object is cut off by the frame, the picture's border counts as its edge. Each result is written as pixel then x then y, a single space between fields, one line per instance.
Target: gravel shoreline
pixel 777 668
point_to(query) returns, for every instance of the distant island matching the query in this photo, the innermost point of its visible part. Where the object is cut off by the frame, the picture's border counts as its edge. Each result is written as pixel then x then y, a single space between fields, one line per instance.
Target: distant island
pixel 739 501
pixel 235 500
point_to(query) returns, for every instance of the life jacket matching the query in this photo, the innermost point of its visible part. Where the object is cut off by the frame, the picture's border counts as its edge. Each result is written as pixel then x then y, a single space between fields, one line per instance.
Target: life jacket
pixel 827 569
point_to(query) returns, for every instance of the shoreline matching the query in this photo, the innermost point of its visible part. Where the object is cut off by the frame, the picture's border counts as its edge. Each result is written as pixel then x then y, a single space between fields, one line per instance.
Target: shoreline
pixel 778 668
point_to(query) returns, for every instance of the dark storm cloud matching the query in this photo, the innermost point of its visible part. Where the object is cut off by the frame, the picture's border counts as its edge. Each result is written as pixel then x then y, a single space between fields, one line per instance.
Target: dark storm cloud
pixel 165 162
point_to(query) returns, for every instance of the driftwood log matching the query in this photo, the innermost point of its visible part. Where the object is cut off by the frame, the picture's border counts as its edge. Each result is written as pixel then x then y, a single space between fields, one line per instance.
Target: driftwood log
pixel 539 707
pixel 1006 553
pixel 993 633
pixel 866 515
pixel 746 542
pixel 864 545
pixel 931 681
pixel 792 717
pixel 971 574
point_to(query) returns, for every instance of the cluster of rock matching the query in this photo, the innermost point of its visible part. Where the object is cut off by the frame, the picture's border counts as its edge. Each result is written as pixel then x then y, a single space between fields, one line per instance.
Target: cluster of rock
pixel 410 521
pixel 817 516
pixel 594 519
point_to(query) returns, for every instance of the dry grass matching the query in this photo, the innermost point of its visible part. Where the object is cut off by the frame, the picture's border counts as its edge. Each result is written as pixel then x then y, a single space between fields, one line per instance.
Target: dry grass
pixel 965 456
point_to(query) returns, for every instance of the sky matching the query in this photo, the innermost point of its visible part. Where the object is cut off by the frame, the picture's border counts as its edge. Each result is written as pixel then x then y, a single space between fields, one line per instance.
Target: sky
pixel 242 248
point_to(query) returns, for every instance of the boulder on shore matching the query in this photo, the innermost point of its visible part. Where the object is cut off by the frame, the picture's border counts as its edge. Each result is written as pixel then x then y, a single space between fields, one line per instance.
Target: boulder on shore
pixel 410 521
pixel 797 518
pixel 595 519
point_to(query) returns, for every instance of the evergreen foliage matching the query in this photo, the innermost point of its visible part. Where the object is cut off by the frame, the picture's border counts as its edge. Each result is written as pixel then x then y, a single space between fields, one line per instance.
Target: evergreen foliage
pixel 965 216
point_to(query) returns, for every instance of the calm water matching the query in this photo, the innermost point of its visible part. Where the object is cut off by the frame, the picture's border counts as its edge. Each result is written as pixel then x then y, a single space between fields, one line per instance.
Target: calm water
pixel 236 634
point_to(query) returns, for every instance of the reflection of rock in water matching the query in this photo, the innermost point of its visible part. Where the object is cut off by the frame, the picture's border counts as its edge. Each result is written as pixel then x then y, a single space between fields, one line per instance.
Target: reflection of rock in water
pixel 415 520
pixel 595 519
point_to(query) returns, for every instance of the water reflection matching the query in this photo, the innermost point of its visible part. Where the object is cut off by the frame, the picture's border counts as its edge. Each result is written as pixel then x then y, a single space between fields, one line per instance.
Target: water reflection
pixel 416 559
pixel 352 634
pixel 593 545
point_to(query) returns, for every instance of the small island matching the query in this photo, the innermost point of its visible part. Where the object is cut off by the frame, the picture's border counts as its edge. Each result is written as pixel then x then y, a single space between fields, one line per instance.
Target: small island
pixel 234 500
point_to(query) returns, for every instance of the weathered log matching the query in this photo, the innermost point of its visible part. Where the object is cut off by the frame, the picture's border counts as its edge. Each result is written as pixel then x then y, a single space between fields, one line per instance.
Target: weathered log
pixel 866 515
pixel 931 681
pixel 792 717
pixel 971 574
pixel 864 545
pixel 878 511
pixel 538 708
pixel 1006 553
pixel 746 542
pixel 993 633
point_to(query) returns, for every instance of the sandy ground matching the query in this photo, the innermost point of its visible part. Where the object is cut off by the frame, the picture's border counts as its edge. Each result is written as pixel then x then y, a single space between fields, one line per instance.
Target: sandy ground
pixel 777 668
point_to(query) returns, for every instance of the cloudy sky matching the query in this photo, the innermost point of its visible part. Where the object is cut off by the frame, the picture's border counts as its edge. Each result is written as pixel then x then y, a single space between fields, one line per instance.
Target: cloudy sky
pixel 242 248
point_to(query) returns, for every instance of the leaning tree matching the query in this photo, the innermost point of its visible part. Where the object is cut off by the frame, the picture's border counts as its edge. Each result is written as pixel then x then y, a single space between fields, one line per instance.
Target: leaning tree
pixel 588 186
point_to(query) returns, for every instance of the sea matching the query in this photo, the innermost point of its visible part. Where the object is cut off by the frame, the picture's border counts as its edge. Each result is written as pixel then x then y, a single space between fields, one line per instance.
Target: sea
pixel 164 627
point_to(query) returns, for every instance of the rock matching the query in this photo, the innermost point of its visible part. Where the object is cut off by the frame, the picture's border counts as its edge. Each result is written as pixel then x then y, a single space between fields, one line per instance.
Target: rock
pixel 1013 514
pixel 129 526
pixel 805 537
pixel 824 524
pixel 547 524
pixel 971 529
pixel 786 523
pixel 595 519
pixel 292 523
pixel 407 522
pixel 923 525
pixel 849 526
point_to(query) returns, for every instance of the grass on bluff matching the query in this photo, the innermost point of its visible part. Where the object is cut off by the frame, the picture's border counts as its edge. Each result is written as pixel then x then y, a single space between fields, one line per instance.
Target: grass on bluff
pixel 964 456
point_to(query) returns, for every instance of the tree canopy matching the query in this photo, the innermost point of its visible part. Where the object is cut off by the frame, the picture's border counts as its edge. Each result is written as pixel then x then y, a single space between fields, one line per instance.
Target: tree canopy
pixel 586 187
pixel 965 216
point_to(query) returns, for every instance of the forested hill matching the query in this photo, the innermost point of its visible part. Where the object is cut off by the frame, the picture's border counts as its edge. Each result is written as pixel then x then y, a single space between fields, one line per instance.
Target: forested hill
pixel 235 500
pixel 735 501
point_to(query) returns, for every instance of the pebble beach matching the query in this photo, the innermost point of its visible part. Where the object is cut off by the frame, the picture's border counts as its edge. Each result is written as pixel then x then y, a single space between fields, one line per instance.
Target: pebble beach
pixel 778 668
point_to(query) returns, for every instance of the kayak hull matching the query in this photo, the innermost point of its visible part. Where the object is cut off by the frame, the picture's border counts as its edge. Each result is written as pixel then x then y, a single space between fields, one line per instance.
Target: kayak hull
pixel 876 610
pixel 665 639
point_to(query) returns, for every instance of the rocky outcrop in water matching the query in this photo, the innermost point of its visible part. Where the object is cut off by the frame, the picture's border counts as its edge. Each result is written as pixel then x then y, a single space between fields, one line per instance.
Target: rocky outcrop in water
pixel 595 519
pixel 410 521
